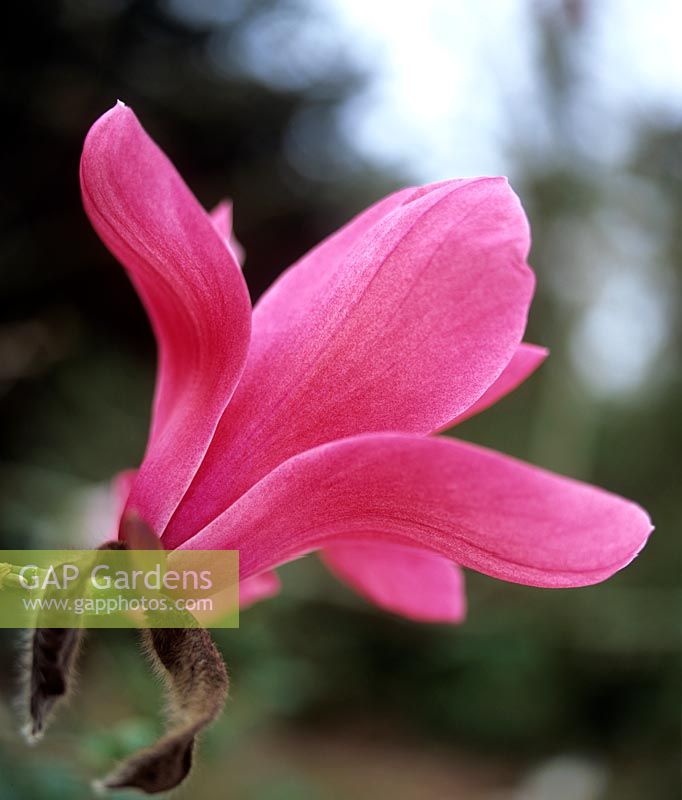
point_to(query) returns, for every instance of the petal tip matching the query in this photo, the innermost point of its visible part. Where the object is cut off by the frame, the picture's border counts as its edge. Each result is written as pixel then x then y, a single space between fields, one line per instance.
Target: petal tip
pixel 119 110
pixel 540 352
pixel 647 529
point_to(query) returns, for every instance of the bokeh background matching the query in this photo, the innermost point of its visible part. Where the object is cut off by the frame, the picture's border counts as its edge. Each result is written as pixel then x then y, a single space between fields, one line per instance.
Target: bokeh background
pixel 303 113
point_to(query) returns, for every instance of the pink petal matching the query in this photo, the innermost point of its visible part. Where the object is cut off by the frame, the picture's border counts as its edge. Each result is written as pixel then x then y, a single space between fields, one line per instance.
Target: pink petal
pixel 525 361
pixel 257 588
pixel 121 486
pixel 478 508
pixel 379 572
pixel 191 287
pixel 416 584
pixel 399 322
pixel 221 217
pixel 390 576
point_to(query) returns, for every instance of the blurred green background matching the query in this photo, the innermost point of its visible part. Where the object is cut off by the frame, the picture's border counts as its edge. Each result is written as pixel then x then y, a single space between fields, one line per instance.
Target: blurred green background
pixel 303 113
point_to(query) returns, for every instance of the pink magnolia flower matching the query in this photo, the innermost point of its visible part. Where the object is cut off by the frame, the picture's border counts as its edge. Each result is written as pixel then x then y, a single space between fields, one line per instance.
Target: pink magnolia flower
pixel 309 424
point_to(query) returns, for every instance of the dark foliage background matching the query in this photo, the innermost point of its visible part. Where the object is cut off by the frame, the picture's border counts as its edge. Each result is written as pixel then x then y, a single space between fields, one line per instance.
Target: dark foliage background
pixel 540 694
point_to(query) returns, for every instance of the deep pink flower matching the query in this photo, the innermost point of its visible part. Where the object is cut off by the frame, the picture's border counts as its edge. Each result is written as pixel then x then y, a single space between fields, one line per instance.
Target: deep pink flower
pixel 307 424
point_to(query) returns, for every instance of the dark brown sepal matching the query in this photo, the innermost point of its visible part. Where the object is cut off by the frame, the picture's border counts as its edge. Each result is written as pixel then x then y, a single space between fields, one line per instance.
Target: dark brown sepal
pixel 50 670
pixel 197 684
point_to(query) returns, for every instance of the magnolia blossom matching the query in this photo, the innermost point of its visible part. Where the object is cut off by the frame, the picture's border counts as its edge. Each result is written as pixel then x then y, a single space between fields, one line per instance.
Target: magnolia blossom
pixel 309 422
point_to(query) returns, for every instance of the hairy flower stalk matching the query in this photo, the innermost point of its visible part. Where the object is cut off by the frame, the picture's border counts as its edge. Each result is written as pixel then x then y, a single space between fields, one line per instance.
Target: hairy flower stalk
pixel 309 423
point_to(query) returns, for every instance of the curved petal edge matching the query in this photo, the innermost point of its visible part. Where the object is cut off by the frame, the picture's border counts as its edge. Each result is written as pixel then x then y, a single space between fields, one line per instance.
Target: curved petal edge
pixel 483 510
pixel 191 287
